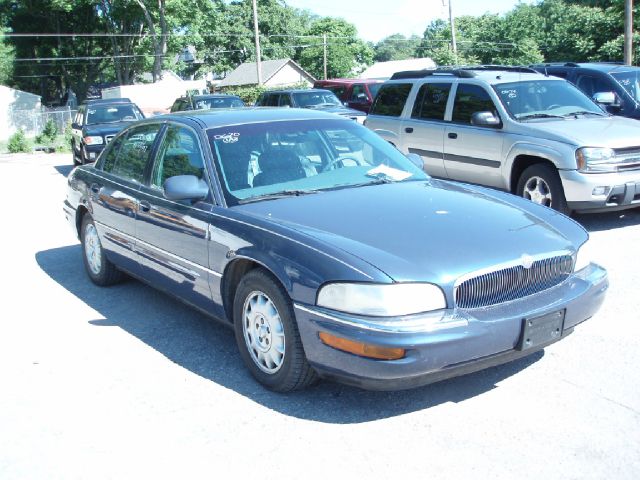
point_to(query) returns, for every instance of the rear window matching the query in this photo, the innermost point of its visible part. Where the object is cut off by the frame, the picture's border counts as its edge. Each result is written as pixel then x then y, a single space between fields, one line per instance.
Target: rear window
pixel 391 99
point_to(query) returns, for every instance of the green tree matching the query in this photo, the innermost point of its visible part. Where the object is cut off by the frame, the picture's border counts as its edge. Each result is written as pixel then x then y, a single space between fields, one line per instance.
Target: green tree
pixel 396 47
pixel 6 60
pixel 346 53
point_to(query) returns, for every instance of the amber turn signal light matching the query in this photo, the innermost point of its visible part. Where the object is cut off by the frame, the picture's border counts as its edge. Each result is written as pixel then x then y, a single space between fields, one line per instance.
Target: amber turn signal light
pixel 362 349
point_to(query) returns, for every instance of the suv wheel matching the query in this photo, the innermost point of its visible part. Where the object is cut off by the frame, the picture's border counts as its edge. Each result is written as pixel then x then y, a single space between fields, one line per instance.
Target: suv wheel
pixel 541 184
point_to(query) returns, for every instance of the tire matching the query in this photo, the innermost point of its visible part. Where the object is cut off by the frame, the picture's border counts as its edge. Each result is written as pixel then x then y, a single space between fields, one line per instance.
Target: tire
pixel 267 334
pixel 541 184
pixel 100 270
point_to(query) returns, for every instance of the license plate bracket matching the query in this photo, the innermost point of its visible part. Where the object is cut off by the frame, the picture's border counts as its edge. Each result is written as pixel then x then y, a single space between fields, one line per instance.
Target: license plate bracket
pixel 537 331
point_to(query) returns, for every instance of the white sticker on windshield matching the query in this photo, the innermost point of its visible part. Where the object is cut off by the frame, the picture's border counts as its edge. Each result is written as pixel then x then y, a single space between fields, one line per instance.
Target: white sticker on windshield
pixel 228 137
pixel 392 173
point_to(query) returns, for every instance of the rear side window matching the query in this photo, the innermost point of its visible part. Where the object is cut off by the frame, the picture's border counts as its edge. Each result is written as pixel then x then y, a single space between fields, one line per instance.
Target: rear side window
pixel 469 100
pixel 431 101
pixel 391 99
pixel 133 154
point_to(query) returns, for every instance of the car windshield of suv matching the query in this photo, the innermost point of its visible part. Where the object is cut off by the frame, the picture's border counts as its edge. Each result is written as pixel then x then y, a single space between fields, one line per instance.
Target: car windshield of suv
pixel 315 99
pixel 112 114
pixel 269 160
pixel 218 102
pixel 629 81
pixel 528 100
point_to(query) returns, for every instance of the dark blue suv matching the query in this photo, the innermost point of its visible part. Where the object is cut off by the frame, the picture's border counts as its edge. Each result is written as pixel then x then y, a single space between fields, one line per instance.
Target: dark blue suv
pixel 613 85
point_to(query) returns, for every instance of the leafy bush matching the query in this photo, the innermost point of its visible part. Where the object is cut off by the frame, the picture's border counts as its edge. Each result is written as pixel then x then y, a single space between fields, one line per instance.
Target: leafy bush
pixel 18 143
pixel 49 133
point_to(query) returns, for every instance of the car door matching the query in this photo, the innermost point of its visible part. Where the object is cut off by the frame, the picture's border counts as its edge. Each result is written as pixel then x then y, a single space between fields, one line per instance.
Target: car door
pixel 423 132
pixel 359 99
pixel 473 153
pixel 172 236
pixel 114 193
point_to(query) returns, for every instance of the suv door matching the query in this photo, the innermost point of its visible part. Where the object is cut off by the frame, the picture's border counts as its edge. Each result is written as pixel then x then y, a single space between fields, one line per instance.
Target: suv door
pixel 384 118
pixel 172 235
pixel 423 132
pixel 114 192
pixel 473 153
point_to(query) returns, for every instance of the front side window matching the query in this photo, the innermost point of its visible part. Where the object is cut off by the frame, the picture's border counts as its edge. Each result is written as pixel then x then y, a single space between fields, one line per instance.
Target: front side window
pixel 134 152
pixel 112 113
pixel 358 94
pixel 469 100
pixel 179 154
pixel 545 99
pixel 630 81
pixel 218 102
pixel 591 85
pixel 391 99
pixel 431 101
pixel 265 159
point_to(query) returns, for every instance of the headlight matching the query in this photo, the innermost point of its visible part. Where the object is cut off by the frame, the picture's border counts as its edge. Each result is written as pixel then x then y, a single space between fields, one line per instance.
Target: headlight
pixel 594 160
pixel 93 140
pixel 583 257
pixel 381 300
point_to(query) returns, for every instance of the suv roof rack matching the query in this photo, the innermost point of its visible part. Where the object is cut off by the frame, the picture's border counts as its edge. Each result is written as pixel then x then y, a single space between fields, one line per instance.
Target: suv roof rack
pixel 426 73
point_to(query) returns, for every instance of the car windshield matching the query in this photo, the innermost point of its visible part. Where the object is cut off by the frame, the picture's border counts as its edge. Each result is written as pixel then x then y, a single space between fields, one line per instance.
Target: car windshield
pixel 262 160
pixel 112 114
pixel 629 81
pixel 314 99
pixel 528 100
pixel 373 88
pixel 218 102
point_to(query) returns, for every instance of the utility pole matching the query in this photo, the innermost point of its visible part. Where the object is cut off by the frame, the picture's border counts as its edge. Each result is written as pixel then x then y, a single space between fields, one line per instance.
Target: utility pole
pixel 628 32
pixel 255 28
pixel 324 48
pixel 454 47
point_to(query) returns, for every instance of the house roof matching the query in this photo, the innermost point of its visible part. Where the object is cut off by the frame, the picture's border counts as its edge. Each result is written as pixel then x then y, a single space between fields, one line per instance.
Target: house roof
pixel 384 70
pixel 246 73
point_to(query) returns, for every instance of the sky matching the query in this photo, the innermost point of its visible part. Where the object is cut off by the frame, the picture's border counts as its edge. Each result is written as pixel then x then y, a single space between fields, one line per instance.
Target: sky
pixel 377 19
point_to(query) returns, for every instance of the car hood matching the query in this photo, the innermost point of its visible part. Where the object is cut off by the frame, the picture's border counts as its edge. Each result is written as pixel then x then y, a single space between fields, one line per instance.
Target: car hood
pixel 423 231
pixel 105 128
pixel 339 110
pixel 612 132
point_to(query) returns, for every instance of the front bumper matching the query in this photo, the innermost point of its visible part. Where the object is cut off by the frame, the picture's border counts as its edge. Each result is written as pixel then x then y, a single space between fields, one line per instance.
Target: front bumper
pixel 622 190
pixel 443 344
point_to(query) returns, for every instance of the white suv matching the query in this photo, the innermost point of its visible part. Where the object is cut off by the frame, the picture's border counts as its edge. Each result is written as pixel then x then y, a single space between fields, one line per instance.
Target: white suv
pixel 514 129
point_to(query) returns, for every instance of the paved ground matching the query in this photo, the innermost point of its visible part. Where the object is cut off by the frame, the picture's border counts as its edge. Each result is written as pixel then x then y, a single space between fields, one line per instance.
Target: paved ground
pixel 127 383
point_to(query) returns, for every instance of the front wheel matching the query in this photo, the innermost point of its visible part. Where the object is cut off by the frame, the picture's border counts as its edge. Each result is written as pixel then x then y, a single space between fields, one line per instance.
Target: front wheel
pixel 100 270
pixel 541 184
pixel 267 334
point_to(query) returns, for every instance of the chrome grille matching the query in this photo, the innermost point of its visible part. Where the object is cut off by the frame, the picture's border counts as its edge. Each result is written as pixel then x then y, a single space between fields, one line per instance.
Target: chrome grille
pixel 513 282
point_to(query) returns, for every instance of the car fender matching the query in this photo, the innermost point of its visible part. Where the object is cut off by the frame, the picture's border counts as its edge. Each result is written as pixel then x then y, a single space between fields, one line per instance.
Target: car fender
pixel 559 155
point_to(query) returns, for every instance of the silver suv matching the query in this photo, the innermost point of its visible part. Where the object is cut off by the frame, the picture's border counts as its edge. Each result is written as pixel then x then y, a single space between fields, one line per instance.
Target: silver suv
pixel 514 129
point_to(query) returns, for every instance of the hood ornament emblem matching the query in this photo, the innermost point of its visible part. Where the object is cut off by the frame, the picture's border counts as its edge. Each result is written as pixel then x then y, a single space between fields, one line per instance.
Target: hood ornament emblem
pixel 526 261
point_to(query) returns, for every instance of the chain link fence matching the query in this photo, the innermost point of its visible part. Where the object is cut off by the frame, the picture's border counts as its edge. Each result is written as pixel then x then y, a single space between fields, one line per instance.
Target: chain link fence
pixel 32 122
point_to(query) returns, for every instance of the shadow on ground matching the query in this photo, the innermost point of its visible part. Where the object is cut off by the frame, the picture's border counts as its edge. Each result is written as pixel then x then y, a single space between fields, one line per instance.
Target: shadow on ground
pixel 64 170
pixel 597 222
pixel 208 349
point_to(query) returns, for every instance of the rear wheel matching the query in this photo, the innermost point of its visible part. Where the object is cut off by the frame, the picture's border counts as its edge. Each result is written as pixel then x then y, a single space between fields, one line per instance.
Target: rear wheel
pixel 541 184
pixel 267 334
pixel 100 270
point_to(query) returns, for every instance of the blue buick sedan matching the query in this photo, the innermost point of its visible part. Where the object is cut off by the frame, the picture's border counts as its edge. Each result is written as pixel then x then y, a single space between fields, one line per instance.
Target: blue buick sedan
pixel 329 252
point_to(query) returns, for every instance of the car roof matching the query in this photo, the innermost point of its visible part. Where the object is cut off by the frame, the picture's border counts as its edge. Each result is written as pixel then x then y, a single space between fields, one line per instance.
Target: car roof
pixel 99 101
pixel 493 76
pixel 239 116
pixel 213 95
pixel 600 66
pixel 339 81
pixel 300 90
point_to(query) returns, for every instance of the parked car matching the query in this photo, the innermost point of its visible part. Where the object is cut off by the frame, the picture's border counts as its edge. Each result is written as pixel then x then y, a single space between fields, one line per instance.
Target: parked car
pixel 514 129
pixel 614 86
pixel 318 99
pixel 200 102
pixel 96 123
pixel 340 258
pixel 356 93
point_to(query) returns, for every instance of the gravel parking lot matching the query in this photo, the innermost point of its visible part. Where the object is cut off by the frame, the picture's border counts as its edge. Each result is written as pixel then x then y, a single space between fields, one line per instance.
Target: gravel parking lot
pixel 126 382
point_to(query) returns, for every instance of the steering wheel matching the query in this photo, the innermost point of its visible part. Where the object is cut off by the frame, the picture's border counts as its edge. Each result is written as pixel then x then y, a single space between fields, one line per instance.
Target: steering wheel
pixel 333 163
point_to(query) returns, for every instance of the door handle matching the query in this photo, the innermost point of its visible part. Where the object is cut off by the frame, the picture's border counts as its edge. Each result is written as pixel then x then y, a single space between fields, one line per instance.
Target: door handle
pixel 408 129
pixel 95 188
pixel 144 206
pixel 452 135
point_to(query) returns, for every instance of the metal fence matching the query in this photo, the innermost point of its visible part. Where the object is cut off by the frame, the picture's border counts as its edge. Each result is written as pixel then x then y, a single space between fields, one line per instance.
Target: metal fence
pixel 32 122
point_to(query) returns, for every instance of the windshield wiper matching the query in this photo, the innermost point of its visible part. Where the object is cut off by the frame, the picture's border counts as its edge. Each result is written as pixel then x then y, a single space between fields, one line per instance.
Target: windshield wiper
pixel 583 112
pixel 539 115
pixel 281 194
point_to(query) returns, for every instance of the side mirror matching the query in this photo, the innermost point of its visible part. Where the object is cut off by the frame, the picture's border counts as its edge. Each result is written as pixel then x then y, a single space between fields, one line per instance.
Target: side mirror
pixel 416 160
pixel 75 126
pixel 185 187
pixel 604 98
pixel 485 119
